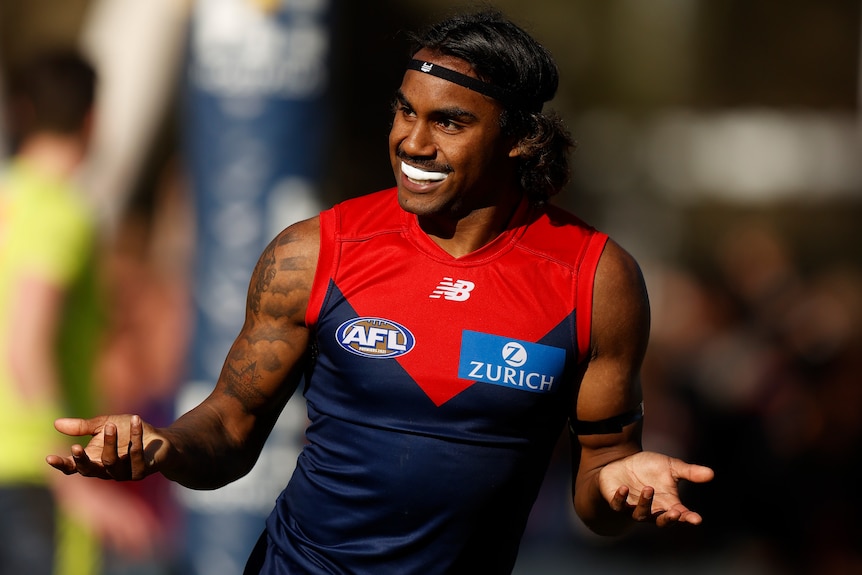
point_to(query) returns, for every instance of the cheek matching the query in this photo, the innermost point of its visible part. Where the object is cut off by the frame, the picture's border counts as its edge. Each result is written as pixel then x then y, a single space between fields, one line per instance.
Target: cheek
pixel 395 138
pixel 398 128
pixel 393 147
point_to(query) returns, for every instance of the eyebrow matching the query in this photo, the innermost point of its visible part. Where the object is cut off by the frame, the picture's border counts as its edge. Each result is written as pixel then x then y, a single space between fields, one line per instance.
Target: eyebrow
pixel 448 112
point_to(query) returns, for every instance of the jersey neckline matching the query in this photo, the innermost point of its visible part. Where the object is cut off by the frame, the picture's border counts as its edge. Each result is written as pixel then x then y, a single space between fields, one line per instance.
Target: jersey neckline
pixel 493 249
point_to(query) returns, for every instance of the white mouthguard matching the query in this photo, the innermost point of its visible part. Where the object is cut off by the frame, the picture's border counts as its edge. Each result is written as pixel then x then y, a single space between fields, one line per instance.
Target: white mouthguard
pixel 421 175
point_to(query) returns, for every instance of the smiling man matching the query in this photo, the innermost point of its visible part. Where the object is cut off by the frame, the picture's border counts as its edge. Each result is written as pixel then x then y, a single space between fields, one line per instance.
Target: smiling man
pixel 447 331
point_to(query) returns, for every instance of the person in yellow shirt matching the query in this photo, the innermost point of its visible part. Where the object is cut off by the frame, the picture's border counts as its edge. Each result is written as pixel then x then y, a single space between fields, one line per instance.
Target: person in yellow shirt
pixel 50 321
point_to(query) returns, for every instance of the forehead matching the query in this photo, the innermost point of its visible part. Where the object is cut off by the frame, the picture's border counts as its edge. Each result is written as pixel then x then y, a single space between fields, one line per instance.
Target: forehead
pixel 445 60
pixel 436 92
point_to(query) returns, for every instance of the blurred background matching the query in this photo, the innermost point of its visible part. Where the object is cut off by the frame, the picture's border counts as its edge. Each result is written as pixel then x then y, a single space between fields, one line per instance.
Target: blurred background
pixel 720 142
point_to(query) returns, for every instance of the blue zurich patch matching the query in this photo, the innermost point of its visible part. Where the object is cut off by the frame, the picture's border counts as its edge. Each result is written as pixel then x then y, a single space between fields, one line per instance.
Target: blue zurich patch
pixel 374 337
pixel 510 362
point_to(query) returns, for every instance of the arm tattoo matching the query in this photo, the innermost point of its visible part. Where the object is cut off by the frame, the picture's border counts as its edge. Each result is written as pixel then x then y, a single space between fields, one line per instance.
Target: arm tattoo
pixel 263 276
pixel 242 384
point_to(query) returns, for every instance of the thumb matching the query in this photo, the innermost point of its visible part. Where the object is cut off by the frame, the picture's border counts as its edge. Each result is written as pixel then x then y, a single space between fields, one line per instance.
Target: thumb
pixel 78 427
pixel 692 472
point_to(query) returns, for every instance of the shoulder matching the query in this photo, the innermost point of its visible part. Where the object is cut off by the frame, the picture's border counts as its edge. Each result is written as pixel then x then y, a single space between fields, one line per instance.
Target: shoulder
pixel 620 301
pixel 294 249
pixel 558 234
pixel 619 269
pixel 281 282
pixel 364 214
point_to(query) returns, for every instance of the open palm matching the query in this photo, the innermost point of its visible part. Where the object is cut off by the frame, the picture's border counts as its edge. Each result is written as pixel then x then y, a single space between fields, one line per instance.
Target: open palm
pixel 645 484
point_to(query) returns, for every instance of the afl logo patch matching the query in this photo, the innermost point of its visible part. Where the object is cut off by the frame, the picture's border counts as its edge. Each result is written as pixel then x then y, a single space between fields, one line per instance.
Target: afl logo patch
pixel 374 337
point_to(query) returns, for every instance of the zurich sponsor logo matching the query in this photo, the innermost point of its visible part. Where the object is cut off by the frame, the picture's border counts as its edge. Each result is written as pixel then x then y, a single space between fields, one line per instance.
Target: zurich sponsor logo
pixel 510 363
pixel 374 337
pixel 514 354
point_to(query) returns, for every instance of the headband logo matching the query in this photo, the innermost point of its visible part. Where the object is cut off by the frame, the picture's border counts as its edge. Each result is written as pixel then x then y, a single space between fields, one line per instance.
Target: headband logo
pixel 426 67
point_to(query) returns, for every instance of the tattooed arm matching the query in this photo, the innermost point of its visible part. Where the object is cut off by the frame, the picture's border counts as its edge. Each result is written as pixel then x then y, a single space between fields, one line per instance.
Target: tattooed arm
pixel 220 440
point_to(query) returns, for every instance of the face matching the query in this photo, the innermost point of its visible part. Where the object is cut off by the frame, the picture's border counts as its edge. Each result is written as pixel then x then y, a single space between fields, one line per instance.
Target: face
pixel 447 151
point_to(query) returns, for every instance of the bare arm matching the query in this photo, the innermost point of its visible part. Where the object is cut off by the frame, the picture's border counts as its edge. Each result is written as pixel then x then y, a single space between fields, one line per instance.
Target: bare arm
pixel 611 385
pixel 616 481
pixel 32 356
pixel 219 440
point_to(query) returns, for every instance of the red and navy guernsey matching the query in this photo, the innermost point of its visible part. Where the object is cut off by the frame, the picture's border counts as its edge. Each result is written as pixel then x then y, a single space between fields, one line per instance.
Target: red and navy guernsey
pixel 439 389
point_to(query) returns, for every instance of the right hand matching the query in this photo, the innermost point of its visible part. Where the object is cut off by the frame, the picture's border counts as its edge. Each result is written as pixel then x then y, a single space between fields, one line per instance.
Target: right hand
pixel 103 458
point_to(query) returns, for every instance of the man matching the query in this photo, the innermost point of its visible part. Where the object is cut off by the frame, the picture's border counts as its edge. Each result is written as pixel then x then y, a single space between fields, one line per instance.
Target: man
pixel 446 330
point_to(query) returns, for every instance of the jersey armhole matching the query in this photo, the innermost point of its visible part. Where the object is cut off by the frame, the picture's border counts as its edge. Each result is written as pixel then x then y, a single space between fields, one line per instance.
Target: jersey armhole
pixel 326 264
pixel 585 284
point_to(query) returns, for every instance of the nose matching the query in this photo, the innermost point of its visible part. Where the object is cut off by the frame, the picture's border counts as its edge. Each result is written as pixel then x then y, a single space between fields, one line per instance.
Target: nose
pixel 418 141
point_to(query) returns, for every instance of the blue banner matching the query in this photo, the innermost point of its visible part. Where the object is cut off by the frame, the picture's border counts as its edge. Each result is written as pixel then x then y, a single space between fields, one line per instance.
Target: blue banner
pixel 256 83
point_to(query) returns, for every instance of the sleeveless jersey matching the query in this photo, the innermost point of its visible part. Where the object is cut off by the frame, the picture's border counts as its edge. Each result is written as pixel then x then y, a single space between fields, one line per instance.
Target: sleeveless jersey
pixel 438 390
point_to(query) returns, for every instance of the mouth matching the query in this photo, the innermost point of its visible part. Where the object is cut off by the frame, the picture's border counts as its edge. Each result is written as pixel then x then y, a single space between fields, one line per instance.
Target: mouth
pixel 421 177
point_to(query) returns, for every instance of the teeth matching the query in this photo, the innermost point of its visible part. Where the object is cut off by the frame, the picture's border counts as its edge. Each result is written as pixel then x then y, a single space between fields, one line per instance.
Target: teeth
pixel 421 175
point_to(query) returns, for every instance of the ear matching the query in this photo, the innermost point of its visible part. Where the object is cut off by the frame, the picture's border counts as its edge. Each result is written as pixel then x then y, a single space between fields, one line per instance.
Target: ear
pixel 88 125
pixel 517 150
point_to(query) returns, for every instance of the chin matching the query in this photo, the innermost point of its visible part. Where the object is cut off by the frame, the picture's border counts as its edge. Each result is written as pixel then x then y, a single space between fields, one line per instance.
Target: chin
pixel 413 203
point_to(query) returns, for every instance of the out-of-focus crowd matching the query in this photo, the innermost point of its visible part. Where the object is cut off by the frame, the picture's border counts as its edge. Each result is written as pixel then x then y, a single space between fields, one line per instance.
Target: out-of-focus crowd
pixel 753 369
pixel 756 372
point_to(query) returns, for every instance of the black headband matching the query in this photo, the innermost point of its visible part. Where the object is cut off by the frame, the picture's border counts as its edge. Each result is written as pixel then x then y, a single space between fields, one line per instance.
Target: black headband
pixel 505 97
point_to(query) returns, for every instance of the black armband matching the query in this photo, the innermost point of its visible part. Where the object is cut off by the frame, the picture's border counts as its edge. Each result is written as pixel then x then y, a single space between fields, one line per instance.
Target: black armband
pixel 613 424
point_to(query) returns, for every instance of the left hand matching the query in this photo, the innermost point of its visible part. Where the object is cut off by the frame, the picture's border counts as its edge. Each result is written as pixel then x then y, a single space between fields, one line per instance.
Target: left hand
pixel 645 485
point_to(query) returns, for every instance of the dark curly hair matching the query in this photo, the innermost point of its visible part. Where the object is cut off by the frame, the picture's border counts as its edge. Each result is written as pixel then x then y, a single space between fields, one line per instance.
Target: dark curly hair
pixel 503 54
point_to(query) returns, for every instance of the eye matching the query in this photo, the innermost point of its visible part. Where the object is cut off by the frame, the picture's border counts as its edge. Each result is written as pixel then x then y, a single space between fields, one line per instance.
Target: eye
pixel 402 109
pixel 449 125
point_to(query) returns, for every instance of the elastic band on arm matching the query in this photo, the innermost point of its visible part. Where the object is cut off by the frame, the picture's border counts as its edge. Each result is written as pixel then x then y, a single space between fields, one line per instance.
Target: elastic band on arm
pixel 613 424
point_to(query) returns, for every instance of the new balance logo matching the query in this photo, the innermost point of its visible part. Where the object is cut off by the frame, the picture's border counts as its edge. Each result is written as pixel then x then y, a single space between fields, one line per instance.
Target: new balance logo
pixel 453 290
pixel 426 67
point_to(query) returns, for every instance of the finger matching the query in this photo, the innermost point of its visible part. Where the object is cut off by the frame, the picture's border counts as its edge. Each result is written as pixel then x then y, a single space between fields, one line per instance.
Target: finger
pixel 618 503
pixel 668 518
pixel 643 509
pixel 110 455
pixel 78 427
pixel 64 464
pixel 692 472
pixel 83 464
pixel 136 448
pixel 691 517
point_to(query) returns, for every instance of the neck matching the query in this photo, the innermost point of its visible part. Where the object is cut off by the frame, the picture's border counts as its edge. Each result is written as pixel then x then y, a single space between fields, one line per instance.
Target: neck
pixel 463 235
pixel 58 155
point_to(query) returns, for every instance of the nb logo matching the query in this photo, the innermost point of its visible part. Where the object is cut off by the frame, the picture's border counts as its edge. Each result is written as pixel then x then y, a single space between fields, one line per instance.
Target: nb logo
pixel 426 67
pixel 453 290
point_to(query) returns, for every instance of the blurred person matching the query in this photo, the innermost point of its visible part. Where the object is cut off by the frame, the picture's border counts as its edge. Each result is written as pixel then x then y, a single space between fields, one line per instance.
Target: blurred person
pixel 141 362
pixel 438 371
pixel 50 322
